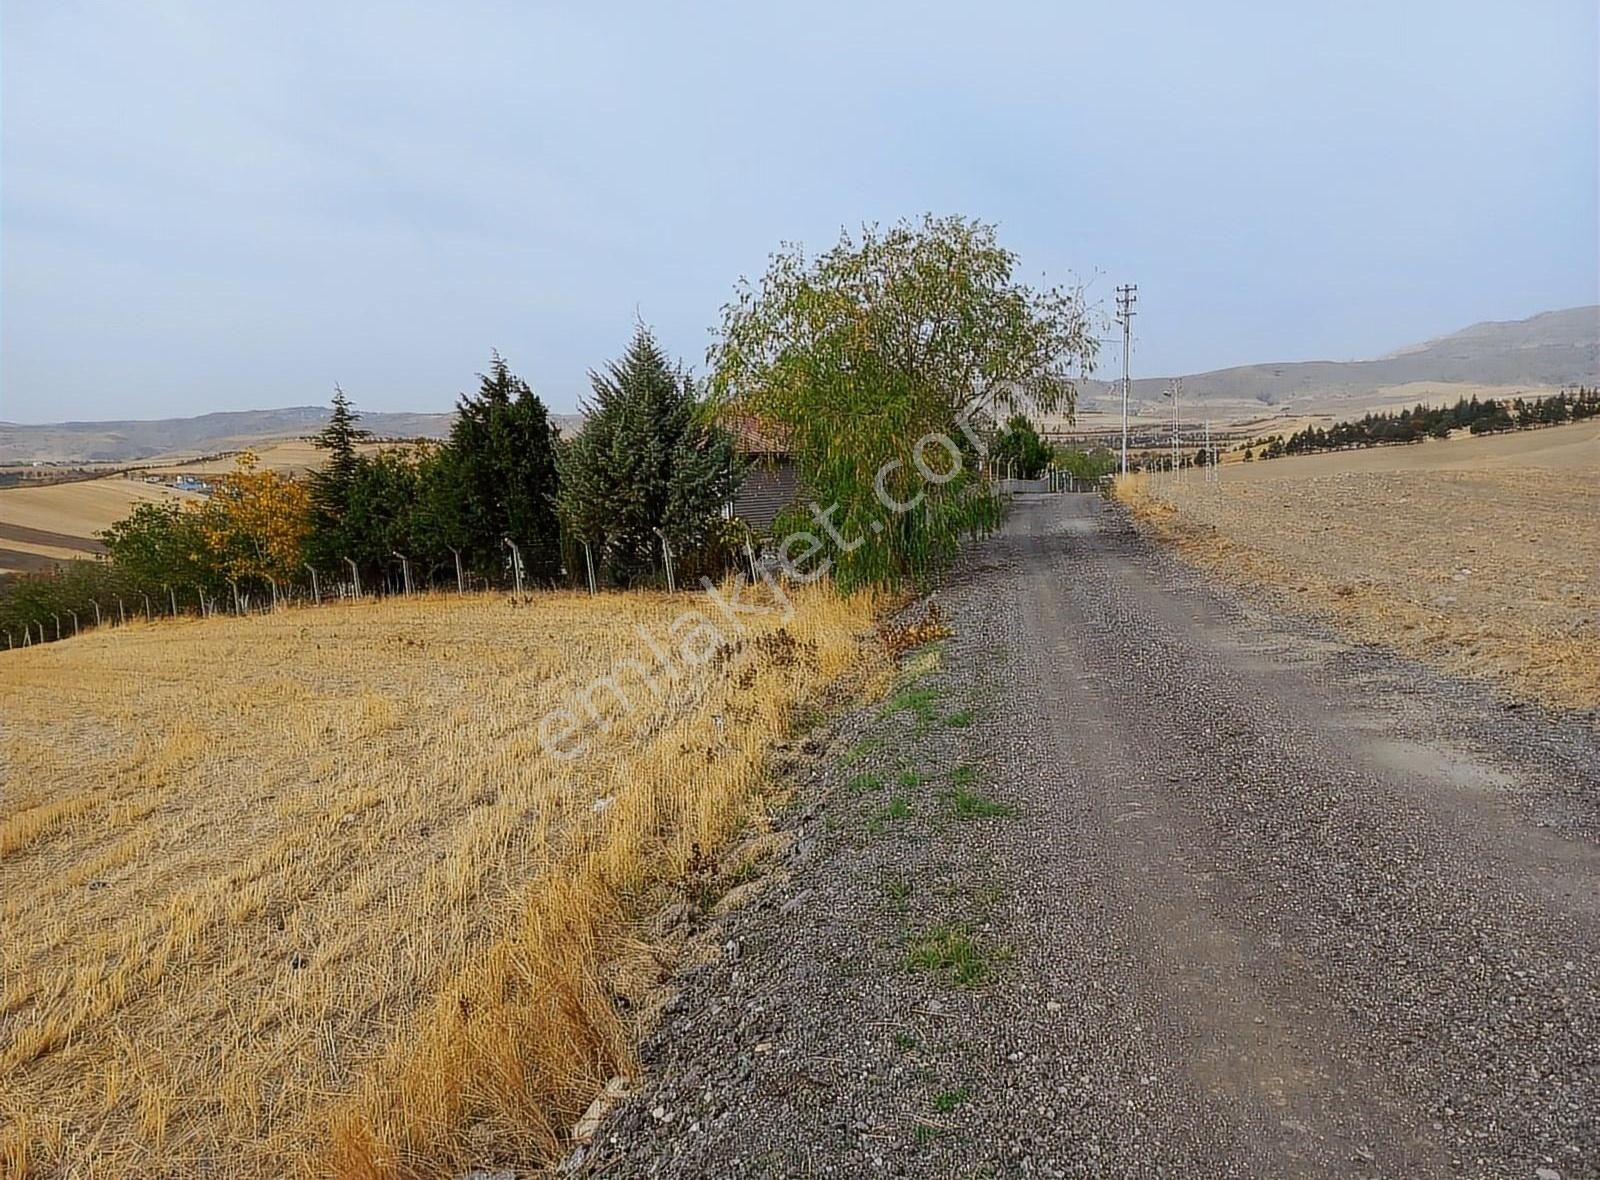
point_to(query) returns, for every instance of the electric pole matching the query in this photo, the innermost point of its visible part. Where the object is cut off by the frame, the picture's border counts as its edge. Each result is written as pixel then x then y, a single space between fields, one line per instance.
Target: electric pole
pixel 1127 296
pixel 1177 392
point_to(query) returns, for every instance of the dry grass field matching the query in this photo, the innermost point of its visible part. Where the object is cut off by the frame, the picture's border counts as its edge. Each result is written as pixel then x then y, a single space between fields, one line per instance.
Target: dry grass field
pixel 1479 555
pixel 304 894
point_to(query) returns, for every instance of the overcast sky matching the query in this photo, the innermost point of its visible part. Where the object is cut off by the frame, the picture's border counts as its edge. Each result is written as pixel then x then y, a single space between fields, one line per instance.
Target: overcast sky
pixel 211 206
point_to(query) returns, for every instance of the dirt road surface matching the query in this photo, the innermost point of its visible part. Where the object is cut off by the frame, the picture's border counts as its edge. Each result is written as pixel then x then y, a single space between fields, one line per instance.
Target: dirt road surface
pixel 1236 898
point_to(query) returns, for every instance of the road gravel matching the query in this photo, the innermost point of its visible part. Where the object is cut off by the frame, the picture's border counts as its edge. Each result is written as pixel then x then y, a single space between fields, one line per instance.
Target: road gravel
pixel 1219 894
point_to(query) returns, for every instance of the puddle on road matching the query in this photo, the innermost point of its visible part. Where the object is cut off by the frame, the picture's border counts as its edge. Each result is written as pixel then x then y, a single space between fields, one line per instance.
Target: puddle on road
pixel 1444 765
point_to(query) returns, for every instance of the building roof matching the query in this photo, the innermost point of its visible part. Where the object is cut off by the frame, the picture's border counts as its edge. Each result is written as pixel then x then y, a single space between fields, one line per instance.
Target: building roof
pixel 754 435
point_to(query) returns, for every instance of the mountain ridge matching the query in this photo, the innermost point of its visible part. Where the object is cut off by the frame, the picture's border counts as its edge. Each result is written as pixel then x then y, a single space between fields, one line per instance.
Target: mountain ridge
pixel 1550 349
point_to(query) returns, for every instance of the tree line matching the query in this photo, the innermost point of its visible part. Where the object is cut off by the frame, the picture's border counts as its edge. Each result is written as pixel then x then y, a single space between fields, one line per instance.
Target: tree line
pixel 504 489
pixel 882 362
pixel 1488 416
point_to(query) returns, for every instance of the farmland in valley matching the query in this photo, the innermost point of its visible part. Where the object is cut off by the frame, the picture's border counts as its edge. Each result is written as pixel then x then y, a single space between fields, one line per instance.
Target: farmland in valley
pixel 1480 555
pixel 41 525
pixel 306 890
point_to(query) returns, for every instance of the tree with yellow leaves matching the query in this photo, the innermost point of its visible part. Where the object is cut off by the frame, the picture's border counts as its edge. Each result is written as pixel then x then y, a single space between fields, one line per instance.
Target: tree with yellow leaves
pixel 258 521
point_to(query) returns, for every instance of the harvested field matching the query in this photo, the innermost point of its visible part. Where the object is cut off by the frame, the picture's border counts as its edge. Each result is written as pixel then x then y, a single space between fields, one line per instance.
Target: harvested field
pixel 78 510
pixel 293 457
pixel 306 894
pixel 1478 555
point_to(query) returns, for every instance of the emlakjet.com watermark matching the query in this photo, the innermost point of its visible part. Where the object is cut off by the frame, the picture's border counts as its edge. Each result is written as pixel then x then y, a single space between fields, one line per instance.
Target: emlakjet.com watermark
pixel 701 643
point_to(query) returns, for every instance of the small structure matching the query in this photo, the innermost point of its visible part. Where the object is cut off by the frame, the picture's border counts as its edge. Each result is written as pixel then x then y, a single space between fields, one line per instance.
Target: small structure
pixel 772 481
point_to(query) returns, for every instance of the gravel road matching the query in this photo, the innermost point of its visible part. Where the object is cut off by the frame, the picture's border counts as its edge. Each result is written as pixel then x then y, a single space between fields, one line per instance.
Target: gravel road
pixel 1138 878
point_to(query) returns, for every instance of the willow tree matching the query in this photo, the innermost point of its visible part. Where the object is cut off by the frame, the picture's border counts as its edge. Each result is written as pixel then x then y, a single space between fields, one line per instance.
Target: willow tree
pixel 887 360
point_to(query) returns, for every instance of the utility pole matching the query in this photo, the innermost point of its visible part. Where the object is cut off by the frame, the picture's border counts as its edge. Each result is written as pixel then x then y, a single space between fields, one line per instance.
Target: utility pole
pixel 1177 392
pixel 1127 296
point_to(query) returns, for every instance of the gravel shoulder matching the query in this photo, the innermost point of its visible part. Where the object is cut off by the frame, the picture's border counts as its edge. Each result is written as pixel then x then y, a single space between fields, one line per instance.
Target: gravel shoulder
pixel 1130 876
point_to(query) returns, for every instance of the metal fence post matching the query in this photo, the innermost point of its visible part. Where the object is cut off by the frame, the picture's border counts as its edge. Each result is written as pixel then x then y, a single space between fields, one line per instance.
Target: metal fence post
pixel 588 557
pixel 666 558
pixel 316 590
pixel 516 564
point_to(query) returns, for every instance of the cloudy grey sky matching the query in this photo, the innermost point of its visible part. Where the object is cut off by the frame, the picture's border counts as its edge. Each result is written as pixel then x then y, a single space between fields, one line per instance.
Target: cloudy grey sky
pixel 224 206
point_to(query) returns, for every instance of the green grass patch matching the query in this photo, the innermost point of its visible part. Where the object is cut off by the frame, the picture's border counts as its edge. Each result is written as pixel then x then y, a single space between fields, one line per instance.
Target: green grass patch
pixel 949 950
pixel 897 888
pixel 951 1100
pixel 968 804
pixel 896 809
pixel 910 779
pixel 964 776
pixel 862 750
pixel 905 1042
pixel 864 784
pixel 959 720
pixel 920 700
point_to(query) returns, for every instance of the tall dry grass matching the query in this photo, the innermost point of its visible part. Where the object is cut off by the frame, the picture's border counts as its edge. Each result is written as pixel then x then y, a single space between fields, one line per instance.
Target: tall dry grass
pixel 302 894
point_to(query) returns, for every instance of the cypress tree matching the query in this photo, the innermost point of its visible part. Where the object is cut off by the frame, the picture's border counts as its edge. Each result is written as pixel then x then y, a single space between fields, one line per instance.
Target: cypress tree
pixel 502 456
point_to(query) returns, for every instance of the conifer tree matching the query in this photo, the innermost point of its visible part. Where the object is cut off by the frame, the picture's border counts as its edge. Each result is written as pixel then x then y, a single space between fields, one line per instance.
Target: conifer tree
pixel 331 486
pixel 502 460
pixel 645 461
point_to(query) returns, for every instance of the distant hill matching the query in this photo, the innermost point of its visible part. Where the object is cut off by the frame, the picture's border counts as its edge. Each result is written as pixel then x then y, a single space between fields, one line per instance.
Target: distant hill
pixel 1546 351
pixel 122 442
pixel 1541 353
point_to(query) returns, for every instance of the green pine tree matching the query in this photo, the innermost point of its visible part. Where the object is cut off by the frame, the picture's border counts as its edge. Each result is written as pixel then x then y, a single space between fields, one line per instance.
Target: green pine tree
pixel 502 462
pixel 331 486
pixel 645 461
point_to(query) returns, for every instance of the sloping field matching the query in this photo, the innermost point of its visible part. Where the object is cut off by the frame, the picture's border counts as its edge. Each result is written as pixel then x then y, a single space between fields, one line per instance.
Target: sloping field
pixel 1479 555
pixel 307 894
pixel 79 509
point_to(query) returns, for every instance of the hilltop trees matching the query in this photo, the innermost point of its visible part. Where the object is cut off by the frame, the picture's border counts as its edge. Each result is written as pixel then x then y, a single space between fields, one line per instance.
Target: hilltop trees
pixel 644 462
pixel 870 353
